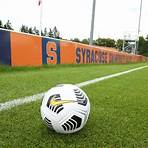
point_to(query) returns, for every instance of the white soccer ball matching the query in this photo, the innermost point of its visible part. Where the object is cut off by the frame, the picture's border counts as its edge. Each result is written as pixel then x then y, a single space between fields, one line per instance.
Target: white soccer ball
pixel 65 108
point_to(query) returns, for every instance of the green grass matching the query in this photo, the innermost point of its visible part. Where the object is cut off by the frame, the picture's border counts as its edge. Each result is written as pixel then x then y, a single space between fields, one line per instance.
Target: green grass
pixel 20 82
pixel 118 118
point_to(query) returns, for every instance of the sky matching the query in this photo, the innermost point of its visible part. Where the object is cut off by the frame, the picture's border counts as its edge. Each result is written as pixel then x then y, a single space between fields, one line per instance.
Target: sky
pixel 113 18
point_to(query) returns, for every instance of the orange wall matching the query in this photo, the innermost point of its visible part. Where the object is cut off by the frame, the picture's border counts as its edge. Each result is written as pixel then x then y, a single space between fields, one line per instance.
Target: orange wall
pixel 67 52
pixel 20 49
pixel 25 50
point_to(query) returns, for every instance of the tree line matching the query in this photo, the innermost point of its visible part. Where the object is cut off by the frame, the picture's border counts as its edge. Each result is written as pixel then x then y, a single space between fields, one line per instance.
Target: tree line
pixel 54 33
pixel 7 25
pixel 107 42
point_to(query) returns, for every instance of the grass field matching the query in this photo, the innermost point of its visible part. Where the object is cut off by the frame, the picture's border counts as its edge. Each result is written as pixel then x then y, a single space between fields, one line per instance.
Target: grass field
pixel 119 107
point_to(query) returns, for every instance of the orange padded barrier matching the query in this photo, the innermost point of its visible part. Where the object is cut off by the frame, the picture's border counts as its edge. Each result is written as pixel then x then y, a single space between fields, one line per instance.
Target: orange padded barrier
pixel 26 50
pixel 67 52
pixel 20 49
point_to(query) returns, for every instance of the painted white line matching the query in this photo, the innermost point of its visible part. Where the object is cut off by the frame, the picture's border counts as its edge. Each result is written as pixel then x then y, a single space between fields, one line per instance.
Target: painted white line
pixel 25 100
pixel 20 101
pixel 108 76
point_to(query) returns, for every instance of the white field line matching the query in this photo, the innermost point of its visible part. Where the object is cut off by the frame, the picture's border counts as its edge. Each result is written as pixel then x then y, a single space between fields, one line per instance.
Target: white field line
pixel 25 100
pixel 108 76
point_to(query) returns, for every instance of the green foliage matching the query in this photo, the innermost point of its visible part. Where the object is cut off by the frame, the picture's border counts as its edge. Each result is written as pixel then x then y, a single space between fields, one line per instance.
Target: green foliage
pixel 30 30
pixel 8 25
pixel 27 29
pixel 143 46
pixel 1 24
pixel 76 40
pixel 106 42
pixel 50 33
pixel 85 41
pixel 119 44
pixel 24 29
pixel 56 33
pixel 45 32
pixel 35 31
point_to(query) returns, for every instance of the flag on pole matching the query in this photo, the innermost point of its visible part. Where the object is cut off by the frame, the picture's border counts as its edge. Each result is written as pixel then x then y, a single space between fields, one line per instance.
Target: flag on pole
pixel 39 2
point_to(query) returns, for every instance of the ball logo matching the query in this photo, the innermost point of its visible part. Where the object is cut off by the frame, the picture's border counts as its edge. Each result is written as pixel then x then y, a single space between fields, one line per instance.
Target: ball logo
pixel 55 100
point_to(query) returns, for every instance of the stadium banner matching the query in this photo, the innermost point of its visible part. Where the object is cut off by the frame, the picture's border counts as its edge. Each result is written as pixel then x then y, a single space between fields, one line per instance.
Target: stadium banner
pixel 50 51
pixel 26 50
pixel 67 52
pixel 90 54
pixel 5 48
pixel 21 49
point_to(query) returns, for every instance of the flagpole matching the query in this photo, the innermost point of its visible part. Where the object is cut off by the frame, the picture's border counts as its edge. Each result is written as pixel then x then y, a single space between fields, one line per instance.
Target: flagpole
pixel 41 15
pixel 139 23
pixel 92 23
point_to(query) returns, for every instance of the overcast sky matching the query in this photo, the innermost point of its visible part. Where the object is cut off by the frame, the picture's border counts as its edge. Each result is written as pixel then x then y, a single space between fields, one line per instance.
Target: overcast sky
pixel 113 18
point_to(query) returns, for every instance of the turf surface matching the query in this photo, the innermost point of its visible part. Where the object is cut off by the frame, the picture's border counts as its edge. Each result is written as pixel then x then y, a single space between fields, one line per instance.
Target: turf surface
pixel 118 118
pixel 20 82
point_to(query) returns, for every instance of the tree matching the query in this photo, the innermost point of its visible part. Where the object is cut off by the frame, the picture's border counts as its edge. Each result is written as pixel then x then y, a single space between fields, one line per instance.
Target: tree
pixel 146 37
pixel 50 33
pixel 85 41
pixel 1 24
pixel 23 28
pixel 106 42
pixel 27 29
pixel 76 40
pixel 56 33
pixel 8 25
pixel 30 30
pixel 143 46
pixel 42 34
pixel 35 31
pixel 45 32
pixel 119 44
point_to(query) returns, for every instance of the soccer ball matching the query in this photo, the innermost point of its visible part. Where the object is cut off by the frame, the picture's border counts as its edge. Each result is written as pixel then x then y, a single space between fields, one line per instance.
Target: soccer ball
pixel 65 108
